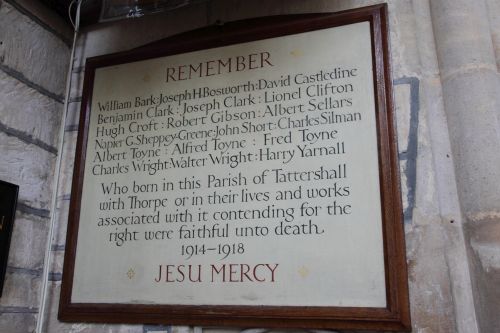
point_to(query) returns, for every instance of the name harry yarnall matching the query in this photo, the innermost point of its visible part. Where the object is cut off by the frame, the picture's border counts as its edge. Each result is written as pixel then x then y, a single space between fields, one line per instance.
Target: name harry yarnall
pixel 217 273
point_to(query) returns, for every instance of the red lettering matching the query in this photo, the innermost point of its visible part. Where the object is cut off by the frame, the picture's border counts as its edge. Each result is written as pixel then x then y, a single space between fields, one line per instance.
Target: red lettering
pixel 198 279
pixel 255 273
pixel 232 272
pixel 264 58
pixel 226 64
pixel 252 59
pixel 272 270
pixel 195 70
pixel 170 74
pixel 168 272
pixel 210 67
pixel 181 273
pixel 222 270
pixel 181 72
pixel 240 63
pixel 244 272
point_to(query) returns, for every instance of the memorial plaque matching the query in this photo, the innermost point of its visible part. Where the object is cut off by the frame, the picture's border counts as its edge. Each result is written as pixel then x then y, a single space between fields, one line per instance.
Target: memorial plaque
pixel 241 175
pixel 8 203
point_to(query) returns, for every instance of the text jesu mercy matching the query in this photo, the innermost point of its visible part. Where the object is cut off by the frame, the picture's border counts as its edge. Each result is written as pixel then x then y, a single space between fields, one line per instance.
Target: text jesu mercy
pixel 216 273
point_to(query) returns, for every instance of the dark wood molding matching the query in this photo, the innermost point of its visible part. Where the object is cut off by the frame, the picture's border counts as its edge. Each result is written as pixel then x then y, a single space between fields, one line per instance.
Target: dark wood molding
pixel 396 316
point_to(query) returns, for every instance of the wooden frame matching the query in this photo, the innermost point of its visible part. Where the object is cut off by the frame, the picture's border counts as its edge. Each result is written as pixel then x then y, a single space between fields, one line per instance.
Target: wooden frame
pixel 395 316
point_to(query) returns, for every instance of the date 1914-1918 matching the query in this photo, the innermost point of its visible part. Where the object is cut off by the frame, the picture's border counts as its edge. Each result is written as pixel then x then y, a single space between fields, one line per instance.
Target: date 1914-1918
pixel 224 250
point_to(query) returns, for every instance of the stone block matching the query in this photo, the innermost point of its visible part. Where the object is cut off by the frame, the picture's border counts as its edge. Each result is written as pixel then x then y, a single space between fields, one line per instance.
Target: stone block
pixel 462 35
pixel 48 17
pixel 405 60
pixel 29 241
pixel 182 329
pixel 76 85
pixel 485 244
pixel 67 164
pixel 125 328
pixel 404 183
pixel 52 324
pixel 73 116
pixel 18 322
pixel 157 328
pixel 432 308
pixel 426 44
pixel 21 289
pixel 26 110
pixel 493 10
pixel 56 262
pixel 33 51
pixel 62 210
pixel 230 330
pixel 292 331
pixel 485 240
pixel 472 105
pixel 29 166
pixel 402 102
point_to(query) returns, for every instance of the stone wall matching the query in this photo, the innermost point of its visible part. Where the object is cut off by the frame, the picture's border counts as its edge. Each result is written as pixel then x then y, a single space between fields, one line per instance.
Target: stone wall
pixel 34 57
pixel 445 57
